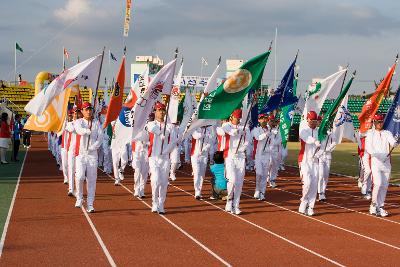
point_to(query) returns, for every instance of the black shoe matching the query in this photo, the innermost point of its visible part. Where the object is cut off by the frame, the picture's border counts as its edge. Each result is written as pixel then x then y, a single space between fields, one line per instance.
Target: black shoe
pixel 198 197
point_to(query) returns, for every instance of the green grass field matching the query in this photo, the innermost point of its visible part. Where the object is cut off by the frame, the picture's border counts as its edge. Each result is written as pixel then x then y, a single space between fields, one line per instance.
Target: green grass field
pixel 8 180
pixel 345 159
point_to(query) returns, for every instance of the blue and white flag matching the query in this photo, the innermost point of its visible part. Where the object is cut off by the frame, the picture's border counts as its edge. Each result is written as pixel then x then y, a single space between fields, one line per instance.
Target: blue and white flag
pixel 283 95
pixel 392 119
pixel 343 126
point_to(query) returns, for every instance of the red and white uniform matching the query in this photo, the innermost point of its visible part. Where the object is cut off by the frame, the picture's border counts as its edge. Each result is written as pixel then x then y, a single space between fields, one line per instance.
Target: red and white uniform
pixel 378 145
pixel 120 158
pixel 174 156
pixel 324 156
pixel 158 162
pixel 261 158
pixel 86 157
pixel 308 165
pixel 71 145
pixel 235 162
pixel 273 147
pixel 201 139
pixel 64 153
pixel 140 162
pixel 365 158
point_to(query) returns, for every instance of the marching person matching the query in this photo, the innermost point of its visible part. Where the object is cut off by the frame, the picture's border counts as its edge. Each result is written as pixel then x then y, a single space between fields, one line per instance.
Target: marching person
pixel 261 135
pixel 5 137
pixel 175 153
pixel 140 162
pixel 273 146
pixel 365 171
pixel 324 156
pixel 236 141
pixel 119 158
pixel 308 163
pixel 65 136
pixel 86 155
pixel 201 139
pixel 159 135
pixel 378 144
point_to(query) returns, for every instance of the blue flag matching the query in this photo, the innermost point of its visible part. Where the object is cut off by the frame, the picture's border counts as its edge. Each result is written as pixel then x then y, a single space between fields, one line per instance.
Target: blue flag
pixel 283 95
pixel 392 119
pixel 112 56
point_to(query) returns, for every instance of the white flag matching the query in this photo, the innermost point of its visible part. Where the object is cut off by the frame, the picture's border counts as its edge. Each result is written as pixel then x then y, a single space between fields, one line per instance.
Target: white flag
pixel 174 99
pixel 204 61
pixel 145 104
pixel 188 110
pixel 343 126
pixel 85 74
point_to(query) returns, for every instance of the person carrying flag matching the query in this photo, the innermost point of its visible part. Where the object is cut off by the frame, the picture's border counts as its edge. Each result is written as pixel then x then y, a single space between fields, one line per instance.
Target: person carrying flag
pixel 273 147
pixel 308 163
pixel 378 144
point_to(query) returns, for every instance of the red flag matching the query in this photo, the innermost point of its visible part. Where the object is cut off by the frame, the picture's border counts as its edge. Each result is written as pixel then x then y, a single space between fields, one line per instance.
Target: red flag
pixel 66 54
pixel 116 99
pixel 371 106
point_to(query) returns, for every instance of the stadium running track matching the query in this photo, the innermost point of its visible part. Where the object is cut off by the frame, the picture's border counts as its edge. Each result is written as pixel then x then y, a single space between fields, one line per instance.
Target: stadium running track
pixel 46 229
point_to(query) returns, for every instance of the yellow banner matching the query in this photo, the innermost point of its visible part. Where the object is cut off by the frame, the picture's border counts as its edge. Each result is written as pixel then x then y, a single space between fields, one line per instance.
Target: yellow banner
pixel 53 117
pixel 127 17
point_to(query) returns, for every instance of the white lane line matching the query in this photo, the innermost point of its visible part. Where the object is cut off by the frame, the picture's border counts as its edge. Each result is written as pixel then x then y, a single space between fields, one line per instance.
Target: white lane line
pixel 266 230
pixel 98 237
pixel 3 236
pixel 334 205
pixel 215 255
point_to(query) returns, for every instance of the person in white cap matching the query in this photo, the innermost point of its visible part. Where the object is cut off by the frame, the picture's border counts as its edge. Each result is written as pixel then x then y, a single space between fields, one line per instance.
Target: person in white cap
pixel 91 139
pixel 308 163
pixel 236 141
pixel 378 144
pixel 65 136
pixel 159 163
pixel 273 147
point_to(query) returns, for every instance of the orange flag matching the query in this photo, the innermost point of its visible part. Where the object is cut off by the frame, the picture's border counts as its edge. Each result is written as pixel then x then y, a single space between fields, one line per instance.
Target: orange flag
pixel 116 99
pixel 371 106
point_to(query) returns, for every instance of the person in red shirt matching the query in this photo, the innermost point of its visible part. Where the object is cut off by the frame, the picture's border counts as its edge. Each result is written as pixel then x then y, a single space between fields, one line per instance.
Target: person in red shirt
pixel 5 137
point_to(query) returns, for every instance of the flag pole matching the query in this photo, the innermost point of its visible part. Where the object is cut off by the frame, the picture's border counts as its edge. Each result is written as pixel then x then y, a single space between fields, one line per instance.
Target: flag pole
pixel 276 37
pixel 95 96
pixel 15 63
pixel 63 61
pixel 245 123
pixel 201 69
pixel 168 99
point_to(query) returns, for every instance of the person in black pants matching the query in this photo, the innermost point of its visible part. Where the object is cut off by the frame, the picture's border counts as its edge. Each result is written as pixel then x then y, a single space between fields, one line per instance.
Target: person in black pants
pixel 26 136
pixel 16 137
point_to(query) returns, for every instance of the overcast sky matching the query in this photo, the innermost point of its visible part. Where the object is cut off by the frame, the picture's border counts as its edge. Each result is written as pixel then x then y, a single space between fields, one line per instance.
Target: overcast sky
pixel 363 33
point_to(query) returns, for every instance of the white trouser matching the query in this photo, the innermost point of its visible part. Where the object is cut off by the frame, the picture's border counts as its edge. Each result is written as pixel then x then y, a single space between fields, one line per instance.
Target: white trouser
pixel 324 165
pixel 309 174
pixel 283 155
pixel 3 154
pixel 58 155
pixel 159 180
pixel 273 167
pixel 140 165
pixel 64 163
pixel 380 180
pixel 187 147
pixel 117 156
pixel 100 153
pixel 235 168
pixel 86 167
pixel 199 165
pixel 366 173
pixel 71 170
pixel 108 163
pixel 261 166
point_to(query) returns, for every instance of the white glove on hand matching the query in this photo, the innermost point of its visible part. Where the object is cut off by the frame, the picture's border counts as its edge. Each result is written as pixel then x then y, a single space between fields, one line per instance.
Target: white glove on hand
pixel 88 132
pixel 274 131
pixel 162 137
pixel 329 132
pixel 318 154
pixel 317 143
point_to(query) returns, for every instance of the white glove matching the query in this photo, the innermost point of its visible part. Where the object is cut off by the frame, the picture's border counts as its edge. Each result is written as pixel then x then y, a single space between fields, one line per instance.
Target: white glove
pixel 88 132
pixel 162 137
pixel 317 143
pixel 318 154
pixel 329 132
pixel 274 131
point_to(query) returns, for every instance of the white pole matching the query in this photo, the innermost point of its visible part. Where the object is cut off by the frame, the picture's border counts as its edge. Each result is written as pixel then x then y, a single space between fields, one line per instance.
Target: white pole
pixel 63 64
pixel 276 36
pixel 108 74
pixel 15 63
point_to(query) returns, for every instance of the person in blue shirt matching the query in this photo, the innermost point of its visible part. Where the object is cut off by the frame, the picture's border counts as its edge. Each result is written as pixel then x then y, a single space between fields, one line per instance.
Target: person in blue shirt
pixel 218 180
pixel 17 132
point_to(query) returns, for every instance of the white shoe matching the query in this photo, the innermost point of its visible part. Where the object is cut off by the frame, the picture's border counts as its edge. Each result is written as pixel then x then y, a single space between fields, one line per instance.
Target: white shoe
pixel 383 212
pixel 90 209
pixel 257 195
pixel 283 168
pixel 367 196
pixel 154 209
pixel 238 211
pixel 372 210
pixel 359 184
pixel 65 181
pixel 121 176
pixel 228 206
pixel 117 182
pixel 172 177
pixel 161 210
pixel 78 203
pixel 322 197
pixel 272 184
pixel 310 211
pixel 261 196
pixel 303 207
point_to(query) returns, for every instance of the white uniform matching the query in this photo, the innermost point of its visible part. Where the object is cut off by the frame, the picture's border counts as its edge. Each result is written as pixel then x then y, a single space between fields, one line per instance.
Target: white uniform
pixel 261 159
pixel 174 156
pixel 159 163
pixel 71 144
pixel 201 139
pixel 308 168
pixel 140 162
pixel 119 159
pixel 324 156
pixel 64 154
pixel 235 162
pixel 378 145
pixel 273 146
pixel 365 173
pixel 86 158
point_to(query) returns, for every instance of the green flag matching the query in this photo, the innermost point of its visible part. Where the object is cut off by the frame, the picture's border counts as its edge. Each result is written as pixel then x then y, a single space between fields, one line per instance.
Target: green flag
pixel 329 117
pixel 221 102
pixel 286 117
pixel 181 109
pixel 18 47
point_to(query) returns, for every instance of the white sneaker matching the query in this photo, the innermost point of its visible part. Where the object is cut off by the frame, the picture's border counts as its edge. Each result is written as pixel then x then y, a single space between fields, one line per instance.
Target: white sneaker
pixel 238 211
pixel 78 203
pixel 257 195
pixel 261 196
pixel 172 177
pixel 283 168
pixel 372 210
pixel 303 207
pixel 121 176
pixel 228 206
pixel 310 211
pixel 90 209
pixel 116 183
pixel 154 209
pixel 383 212
pixel 359 184
pixel 322 197
pixel 65 181
pixel 367 196
pixel 272 184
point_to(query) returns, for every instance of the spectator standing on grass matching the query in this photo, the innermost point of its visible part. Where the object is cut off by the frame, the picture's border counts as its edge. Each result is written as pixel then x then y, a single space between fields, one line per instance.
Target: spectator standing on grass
pixel 378 144
pixel 17 133
pixel 5 137
pixel 218 180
